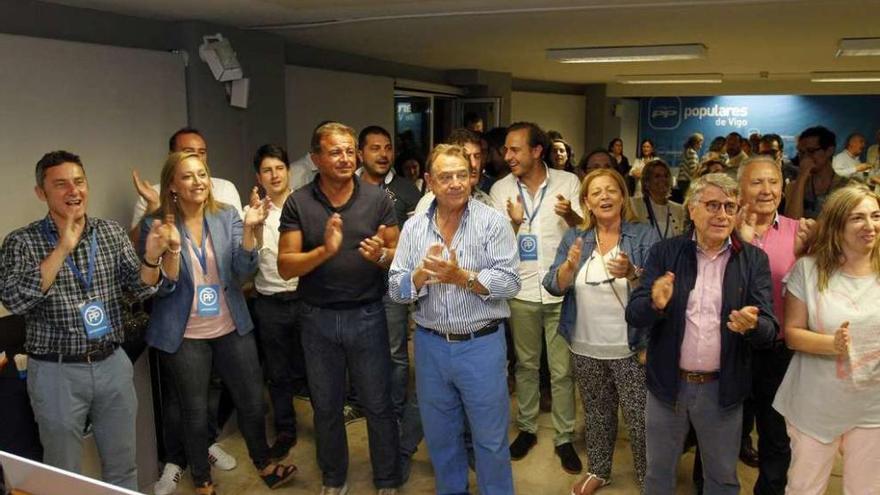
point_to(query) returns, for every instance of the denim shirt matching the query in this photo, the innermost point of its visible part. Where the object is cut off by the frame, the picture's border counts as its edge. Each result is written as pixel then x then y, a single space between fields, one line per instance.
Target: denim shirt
pixel 636 240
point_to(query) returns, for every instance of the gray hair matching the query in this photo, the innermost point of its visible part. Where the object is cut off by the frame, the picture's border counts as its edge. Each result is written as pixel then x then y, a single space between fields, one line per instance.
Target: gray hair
pixel 757 159
pixel 720 180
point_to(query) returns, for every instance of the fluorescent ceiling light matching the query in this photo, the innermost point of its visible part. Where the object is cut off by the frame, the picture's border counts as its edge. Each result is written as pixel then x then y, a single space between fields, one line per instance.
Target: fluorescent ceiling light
pixel 858 47
pixel 610 54
pixel 671 79
pixel 837 77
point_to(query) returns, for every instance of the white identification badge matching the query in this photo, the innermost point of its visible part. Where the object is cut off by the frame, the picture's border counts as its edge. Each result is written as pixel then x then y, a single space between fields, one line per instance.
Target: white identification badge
pixel 208 297
pixel 94 319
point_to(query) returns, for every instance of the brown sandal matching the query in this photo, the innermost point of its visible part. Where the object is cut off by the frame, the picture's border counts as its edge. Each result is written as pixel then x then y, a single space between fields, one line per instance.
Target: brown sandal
pixel 580 486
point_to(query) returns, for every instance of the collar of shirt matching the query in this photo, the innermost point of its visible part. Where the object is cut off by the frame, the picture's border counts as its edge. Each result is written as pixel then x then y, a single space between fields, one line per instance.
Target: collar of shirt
pixel 727 245
pixel 322 198
pixel 388 177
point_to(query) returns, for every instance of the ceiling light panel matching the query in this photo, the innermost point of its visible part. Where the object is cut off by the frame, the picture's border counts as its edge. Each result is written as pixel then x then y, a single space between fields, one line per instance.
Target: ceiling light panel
pixel 858 47
pixel 672 79
pixel 618 54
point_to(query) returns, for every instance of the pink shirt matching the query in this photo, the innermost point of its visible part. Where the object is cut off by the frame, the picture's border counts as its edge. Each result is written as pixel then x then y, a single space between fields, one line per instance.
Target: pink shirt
pixel 207 327
pixel 701 346
pixel 778 243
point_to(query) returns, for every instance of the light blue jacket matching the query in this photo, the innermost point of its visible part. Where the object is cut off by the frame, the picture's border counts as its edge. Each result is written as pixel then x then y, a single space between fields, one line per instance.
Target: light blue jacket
pixel 173 301
pixel 636 240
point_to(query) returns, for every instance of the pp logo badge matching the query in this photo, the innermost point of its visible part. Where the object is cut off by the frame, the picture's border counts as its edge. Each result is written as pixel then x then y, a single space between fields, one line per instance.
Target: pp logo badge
pixel 664 113
pixel 208 298
pixel 528 247
pixel 94 315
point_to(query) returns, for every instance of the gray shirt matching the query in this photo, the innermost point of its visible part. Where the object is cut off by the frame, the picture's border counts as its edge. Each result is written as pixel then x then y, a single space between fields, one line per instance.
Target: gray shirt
pixel 346 279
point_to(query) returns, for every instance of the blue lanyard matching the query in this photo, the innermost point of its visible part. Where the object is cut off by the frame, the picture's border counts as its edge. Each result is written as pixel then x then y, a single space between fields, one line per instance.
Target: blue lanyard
pixel 531 216
pixel 86 281
pixel 201 251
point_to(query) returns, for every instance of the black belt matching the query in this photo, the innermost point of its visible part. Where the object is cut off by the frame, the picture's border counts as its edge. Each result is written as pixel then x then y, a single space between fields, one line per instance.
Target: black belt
pixel 698 377
pixel 92 356
pixel 461 337
pixel 285 296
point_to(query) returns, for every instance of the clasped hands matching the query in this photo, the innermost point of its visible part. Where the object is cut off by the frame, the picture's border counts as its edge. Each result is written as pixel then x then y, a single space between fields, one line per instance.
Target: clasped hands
pixel 163 237
pixel 739 320
pixel 436 270
pixel 371 248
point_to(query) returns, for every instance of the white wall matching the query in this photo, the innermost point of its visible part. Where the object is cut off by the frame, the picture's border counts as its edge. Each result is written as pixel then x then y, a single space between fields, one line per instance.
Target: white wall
pixel 115 107
pixel 563 113
pixel 315 95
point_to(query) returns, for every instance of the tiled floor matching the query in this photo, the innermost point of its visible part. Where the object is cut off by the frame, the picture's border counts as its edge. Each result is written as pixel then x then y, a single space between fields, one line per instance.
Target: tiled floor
pixel 538 474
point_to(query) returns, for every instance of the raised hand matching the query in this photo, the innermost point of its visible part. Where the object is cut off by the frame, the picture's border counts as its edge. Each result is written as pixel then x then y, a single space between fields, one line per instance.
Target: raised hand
pixel 806 166
pixel 256 215
pixel 842 339
pixel 574 253
pixel 371 248
pixel 743 320
pixel 620 266
pixel 562 206
pixel 745 223
pixel 333 234
pixel 254 199
pixel 168 229
pixel 661 291
pixel 515 211
pixel 158 240
pixel 146 191
pixel 806 233
pixel 443 271
pixel 69 232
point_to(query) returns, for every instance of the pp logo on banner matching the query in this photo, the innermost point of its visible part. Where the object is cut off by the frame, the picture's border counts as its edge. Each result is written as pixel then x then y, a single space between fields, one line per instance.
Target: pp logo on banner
pixel 528 247
pixel 664 112
pixel 208 299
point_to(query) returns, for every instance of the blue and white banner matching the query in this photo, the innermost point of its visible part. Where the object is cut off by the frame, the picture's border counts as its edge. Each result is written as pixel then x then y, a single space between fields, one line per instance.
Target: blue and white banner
pixel 669 120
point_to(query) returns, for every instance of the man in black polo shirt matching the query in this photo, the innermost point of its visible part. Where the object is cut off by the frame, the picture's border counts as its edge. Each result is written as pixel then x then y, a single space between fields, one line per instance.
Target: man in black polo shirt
pixel 376 155
pixel 338 235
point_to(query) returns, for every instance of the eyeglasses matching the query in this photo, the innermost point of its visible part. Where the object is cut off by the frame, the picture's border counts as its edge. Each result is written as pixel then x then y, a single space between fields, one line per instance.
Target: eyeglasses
pixel 447 178
pixel 609 280
pixel 714 207
pixel 808 151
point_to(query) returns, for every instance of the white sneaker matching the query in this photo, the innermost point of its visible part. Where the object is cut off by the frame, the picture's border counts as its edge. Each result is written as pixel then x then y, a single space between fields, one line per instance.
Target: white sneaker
pixel 167 483
pixel 334 490
pixel 220 459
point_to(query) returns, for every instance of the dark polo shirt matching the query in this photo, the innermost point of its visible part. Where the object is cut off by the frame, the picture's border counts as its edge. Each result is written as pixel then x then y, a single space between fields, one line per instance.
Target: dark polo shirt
pixel 346 279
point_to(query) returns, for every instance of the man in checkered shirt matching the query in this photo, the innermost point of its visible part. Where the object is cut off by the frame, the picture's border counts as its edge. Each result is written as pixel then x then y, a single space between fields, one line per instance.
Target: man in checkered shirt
pixel 66 274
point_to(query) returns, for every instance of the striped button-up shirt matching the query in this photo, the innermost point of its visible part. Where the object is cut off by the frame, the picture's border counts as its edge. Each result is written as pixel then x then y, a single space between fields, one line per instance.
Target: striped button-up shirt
pixel 52 319
pixel 484 243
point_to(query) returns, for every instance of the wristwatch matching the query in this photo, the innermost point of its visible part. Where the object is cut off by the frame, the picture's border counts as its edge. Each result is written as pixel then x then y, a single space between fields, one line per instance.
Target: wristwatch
pixel 471 281
pixel 383 257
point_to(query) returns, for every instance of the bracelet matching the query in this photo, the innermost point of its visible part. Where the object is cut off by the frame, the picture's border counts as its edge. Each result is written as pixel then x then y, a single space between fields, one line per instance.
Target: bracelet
pixel 150 265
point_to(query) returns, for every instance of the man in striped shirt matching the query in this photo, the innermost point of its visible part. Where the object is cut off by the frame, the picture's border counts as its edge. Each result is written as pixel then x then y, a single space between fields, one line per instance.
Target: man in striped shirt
pixel 458 262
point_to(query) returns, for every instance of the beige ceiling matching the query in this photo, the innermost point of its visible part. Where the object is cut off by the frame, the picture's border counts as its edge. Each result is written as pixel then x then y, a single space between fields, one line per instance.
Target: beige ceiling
pixel 785 38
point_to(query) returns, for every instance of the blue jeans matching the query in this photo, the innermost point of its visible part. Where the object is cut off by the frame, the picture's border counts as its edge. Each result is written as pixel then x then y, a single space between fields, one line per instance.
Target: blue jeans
pixel 458 380
pixel 279 335
pixel 718 433
pixel 234 357
pixel 353 340
pixel 397 316
pixel 64 394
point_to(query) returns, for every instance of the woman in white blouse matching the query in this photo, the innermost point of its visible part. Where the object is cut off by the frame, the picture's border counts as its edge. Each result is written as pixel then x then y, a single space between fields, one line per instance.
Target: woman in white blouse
pixel 830 396
pixel 665 216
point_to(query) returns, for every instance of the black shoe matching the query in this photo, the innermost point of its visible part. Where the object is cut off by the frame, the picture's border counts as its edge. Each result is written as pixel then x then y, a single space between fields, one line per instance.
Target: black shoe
pixel 571 463
pixel 521 446
pixel 748 455
pixel 283 443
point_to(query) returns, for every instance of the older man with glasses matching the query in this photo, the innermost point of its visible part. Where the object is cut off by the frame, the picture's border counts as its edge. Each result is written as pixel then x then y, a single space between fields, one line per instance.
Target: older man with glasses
pixel 705 299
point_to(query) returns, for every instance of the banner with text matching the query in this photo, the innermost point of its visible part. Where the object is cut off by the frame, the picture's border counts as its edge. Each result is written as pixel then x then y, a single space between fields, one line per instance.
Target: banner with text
pixel 668 121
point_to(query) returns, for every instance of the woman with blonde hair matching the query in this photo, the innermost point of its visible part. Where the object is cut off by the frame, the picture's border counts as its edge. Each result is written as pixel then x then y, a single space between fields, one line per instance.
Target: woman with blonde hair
pixel 597 263
pixel 202 323
pixel 830 397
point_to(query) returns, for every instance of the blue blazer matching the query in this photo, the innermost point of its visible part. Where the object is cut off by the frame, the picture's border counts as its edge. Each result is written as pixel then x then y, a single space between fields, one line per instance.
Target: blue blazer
pixel 173 301
pixel 636 240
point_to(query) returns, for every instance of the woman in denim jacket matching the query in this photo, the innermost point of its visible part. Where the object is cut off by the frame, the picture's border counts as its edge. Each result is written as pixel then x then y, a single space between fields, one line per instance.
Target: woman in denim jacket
pixel 596 265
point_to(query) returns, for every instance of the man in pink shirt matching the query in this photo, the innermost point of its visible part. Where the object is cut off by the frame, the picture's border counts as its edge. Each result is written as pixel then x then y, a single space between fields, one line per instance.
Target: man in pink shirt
pixel 705 302
pixel 782 238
